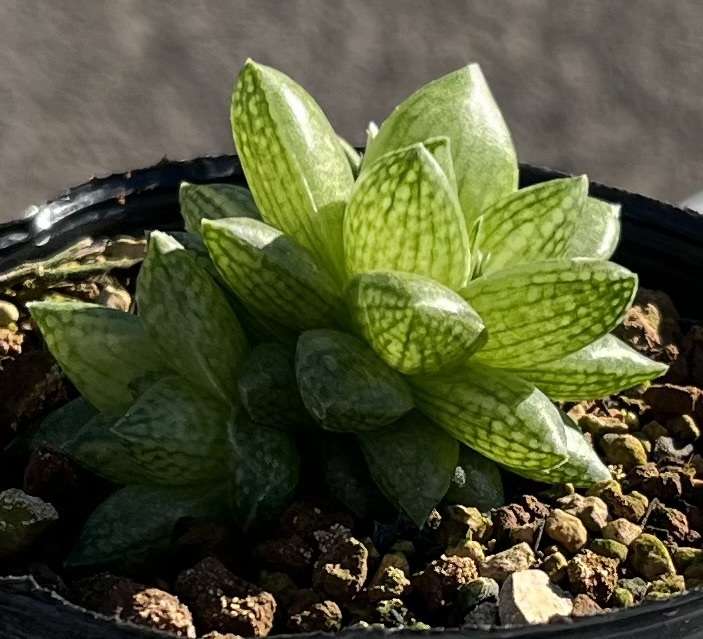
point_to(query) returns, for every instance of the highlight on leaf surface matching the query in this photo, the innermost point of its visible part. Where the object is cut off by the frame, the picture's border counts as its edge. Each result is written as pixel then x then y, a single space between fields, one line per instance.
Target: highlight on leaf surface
pixel 598 231
pixel 214 202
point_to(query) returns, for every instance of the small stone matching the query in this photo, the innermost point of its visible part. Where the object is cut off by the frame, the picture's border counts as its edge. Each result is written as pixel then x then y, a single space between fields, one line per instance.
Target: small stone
pixel 438 584
pixel 342 567
pixel 622 598
pixel 566 530
pixel 685 557
pixel 22 519
pixel 624 450
pixel 649 558
pixel 323 616
pixel 391 578
pixel 593 575
pixel 631 507
pixel 478 526
pixel 9 314
pixel 684 428
pixel 599 426
pixel 669 400
pixel 292 555
pixel 604 489
pixel 592 511
pixel 668 451
pixel 654 430
pixel 609 548
pixel 467 548
pixel 622 531
pixel 393 613
pixel 555 566
pixel 669 524
pixel 526 533
pixel 665 486
pixel 646 444
pixel 584 606
pixel 637 586
pixel 305 519
pixel 219 635
pixel 528 597
pixel 505 519
pixel 485 615
pixel 501 565
pixel 670 585
pixel 476 592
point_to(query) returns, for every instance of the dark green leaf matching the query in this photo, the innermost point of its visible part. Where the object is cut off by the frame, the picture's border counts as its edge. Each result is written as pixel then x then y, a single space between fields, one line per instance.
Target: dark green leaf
pixel 213 202
pixel 476 482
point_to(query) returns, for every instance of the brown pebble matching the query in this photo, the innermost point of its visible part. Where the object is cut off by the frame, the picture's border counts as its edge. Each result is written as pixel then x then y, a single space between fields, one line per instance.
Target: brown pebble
pixel 304 519
pixel 622 531
pixel 669 400
pixel 391 578
pixel 342 567
pixel 438 584
pixel 671 524
pixel 314 614
pixel 567 530
pixel 584 606
pixel 593 575
pixel 503 564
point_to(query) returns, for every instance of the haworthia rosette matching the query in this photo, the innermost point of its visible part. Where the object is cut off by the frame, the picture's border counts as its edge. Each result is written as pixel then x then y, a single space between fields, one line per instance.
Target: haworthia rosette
pixel 460 106
pixel 497 414
pixel 214 202
pixel 414 324
pixel 188 316
pixel 345 386
pixel 603 368
pixel 100 349
pixel 295 165
pixel 272 274
pixel 532 224
pixel 403 216
pixel 476 482
pixel 412 462
pixel 539 312
pixel 598 231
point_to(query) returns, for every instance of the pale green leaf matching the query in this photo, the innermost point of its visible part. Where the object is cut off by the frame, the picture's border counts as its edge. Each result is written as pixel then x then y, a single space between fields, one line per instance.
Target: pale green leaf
pixel 353 156
pixel 213 202
pixel 177 433
pixel 272 274
pixel 404 216
pixel 603 368
pixel 414 324
pixel 532 224
pixel 345 386
pixel 476 482
pixel 598 231
pixel 99 348
pixel 189 318
pixel 441 150
pixel 371 133
pixel 583 468
pixel 264 467
pixel 412 462
pixel 496 413
pixel 137 519
pixel 460 106
pixel 539 312
pixel 295 165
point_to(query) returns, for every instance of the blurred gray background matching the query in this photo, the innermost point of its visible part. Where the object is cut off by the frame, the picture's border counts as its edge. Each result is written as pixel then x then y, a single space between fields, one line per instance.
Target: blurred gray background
pixel 613 88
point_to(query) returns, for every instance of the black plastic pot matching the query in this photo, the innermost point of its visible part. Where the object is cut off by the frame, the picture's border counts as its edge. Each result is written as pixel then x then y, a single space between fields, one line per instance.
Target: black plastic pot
pixel 660 242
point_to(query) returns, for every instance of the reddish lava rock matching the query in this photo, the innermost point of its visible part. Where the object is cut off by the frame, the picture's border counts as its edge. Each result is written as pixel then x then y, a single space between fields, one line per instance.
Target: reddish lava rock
pixel 593 575
pixel 342 567
pixel 437 586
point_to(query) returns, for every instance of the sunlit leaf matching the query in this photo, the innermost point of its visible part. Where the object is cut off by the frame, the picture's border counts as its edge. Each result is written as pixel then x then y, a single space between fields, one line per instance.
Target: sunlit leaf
pixel 272 274
pixel 189 318
pixel 532 224
pixel 412 462
pixel 213 202
pixel 404 216
pixel 99 348
pixel 295 165
pixel 345 386
pixel 543 311
pixel 414 324
pixel 497 414
pixel 460 106
pixel 476 482
pixel 598 231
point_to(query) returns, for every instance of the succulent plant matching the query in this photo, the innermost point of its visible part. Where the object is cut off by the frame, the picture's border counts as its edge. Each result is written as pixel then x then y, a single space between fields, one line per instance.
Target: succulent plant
pixel 412 302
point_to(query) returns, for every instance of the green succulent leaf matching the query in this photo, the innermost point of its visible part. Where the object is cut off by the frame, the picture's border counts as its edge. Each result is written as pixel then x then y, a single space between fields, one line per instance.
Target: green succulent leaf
pixel 441 150
pixel 603 368
pixel 100 349
pixel 189 318
pixel 404 216
pixel 136 519
pixel 412 462
pixel 496 413
pixel 268 388
pixel 539 312
pixel 476 482
pixel 272 274
pixel 295 165
pixel 460 106
pixel 177 433
pixel 345 386
pixel 598 231
pixel 213 202
pixel 532 224
pixel 583 468
pixel 264 469
pixel 353 156
pixel 414 324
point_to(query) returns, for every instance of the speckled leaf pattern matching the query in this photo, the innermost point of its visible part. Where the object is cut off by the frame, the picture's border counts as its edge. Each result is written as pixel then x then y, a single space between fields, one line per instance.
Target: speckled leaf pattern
pixel 458 105
pixel 583 468
pixel 176 433
pixel 214 202
pixel 532 224
pixel 403 216
pixel 476 482
pixel 539 312
pixel 497 414
pixel 136 519
pixel 412 462
pixel 272 274
pixel 345 386
pixel 294 163
pixel 414 324
pixel 603 368
pixel 598 231
pixel 265 468
pixel 100 349
pixel 189 318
